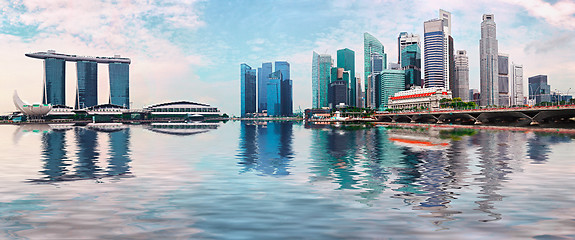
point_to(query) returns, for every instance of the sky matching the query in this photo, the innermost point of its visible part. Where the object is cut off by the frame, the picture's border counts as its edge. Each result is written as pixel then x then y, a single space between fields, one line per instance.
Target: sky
pixel 192 50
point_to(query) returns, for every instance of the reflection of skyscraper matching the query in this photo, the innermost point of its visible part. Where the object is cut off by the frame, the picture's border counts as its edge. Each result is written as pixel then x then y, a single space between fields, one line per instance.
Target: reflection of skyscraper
pixel 266 149
pixel 88 153
pixel 119 152
pixel 87 87
pixel 54 155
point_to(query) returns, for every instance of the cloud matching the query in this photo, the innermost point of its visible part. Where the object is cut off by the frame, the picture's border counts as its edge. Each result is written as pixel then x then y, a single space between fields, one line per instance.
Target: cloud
pixel 560 14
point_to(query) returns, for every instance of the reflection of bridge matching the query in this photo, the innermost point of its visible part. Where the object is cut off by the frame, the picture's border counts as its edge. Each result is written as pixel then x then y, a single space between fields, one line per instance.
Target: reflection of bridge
pixel 531 116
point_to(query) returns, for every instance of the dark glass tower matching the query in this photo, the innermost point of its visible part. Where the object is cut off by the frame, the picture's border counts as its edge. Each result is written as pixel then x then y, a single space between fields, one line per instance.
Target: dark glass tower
pixel 54 81
pixel 274 93
pixel 411 63
pixel 263 79
pixel 119 84
pixel 248 90
pixel 87 88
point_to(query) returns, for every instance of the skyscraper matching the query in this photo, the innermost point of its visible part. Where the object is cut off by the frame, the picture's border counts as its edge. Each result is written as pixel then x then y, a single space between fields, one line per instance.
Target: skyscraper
pixel 346 60
pixel 370 46
pixel 54 81
pixel 87 87
pixel 516 84
pixel 461 81
pixel 449 63
pixel 321 67
pixel 405 39
pixel 274 93
pixel 119 74
pixel 263 78
pixel 284 67
pixel 488 52
pixel 411 63
pixel 503 79
pixel 539 90
pixel 248 90
pixel 435 54
pixel 286 99
pixel 391 82
pixel 376 66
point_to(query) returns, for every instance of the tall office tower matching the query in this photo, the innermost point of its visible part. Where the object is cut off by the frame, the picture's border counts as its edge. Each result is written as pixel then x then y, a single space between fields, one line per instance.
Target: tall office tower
pixel 503 79
pixel 321 67
pixel 119 75
pixel 284 67
pixel 248 90
pixel 346 60
pixel 274 93
pixel 287 98
pixel 87 87
pixel 461 80
pixel 449 63
pixel 371 46
pixel 434 54
pixel 488 52
pixel 516 84
pixel 411 63
pixel 539 90
pixel 406 39
pixel 391 82
pixel 359 93
pixel 263 78
pixel 337 93
pixel 54 81
pixel 376 66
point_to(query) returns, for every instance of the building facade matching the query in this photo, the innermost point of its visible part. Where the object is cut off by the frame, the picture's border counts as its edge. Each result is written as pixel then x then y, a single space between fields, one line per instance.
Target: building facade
pixel 517 97
pixel 372 48
pixel 419 98
pixel 539 90
pixel 119 75
pixel 434 53
pixel 503 70
pixel 274 93
pixel 54 81
pixel 405 39
pixel 411 63
pixel 448 50
pixel 391 82
pixel 338 93
pixel 321 71
pixel 248 90
pixel 488 71
pixel 461 81
pixel 346 60
pixel 87 88
pixel 263 79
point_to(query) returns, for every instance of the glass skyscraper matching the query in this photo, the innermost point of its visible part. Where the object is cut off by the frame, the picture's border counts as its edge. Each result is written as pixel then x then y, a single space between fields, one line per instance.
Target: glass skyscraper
pixel 119 84
pixel 489 68
pixel 371 45
pixel 274 92
pixel 248 90
pixel 435 54
pixel 376 65
pixel 54 81
pixel 391 82
pixel 284 67
pixel 346 60
pixel 411 63
pixel 321 67
pixel 87 88
pixel 286 100
pixel 263 79
pixel 539 90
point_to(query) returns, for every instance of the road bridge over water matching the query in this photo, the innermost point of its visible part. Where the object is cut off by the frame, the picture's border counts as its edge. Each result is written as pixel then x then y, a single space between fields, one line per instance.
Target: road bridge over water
pixel 528 115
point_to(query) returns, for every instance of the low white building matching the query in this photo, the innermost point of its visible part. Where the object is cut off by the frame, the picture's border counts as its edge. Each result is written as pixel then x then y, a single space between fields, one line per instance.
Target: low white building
pixel 428 98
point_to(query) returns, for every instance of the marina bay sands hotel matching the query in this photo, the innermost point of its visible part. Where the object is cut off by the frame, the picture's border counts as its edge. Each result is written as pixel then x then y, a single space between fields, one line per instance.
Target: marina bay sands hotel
pixel 54 91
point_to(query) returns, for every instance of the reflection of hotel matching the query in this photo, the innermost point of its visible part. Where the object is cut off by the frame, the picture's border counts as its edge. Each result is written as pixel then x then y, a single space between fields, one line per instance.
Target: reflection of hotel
pixel 182 128
pixel 418 138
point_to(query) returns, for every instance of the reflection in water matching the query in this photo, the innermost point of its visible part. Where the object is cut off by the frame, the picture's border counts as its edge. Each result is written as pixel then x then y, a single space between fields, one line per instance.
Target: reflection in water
pixel 57 157
pixel 266 147
pixel 182 128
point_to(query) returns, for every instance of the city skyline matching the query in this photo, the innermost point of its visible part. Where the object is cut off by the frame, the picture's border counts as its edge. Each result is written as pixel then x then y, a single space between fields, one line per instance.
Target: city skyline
pixel 167 66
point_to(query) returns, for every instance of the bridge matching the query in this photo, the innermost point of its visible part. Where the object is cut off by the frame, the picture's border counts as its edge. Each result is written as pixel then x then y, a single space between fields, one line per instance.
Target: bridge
pixel 528 115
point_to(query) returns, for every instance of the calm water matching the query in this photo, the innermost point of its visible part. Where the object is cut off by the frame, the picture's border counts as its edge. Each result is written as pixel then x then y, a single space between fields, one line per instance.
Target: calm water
pixel 284 180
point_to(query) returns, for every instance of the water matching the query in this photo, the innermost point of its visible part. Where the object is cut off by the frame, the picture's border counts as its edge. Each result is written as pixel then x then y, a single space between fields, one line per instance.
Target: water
pixel 284 180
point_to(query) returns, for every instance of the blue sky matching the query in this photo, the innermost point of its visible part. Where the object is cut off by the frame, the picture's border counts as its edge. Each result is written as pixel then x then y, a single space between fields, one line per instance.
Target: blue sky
pixel 192 50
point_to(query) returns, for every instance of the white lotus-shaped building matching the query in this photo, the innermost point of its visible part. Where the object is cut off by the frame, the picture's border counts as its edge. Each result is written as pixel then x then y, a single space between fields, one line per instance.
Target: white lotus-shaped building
pixel 33 110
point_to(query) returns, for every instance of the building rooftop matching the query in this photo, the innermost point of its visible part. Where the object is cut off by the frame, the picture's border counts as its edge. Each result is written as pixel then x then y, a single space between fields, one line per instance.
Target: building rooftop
pixel 76 58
